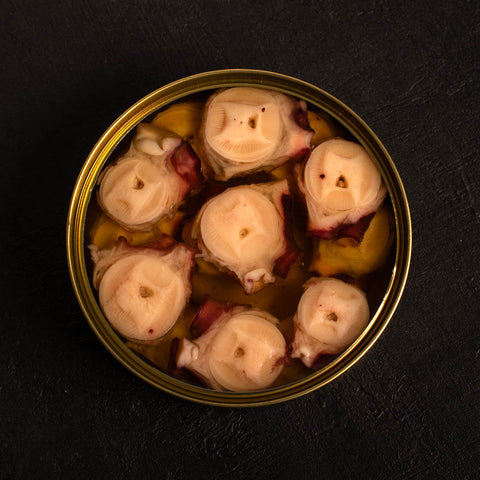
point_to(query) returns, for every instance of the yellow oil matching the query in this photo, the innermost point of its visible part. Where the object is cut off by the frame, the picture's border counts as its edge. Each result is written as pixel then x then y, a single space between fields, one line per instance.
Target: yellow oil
pixel 279 299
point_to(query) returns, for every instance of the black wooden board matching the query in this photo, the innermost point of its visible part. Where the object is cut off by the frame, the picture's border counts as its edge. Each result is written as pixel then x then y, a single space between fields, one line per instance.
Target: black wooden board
pixel 409 408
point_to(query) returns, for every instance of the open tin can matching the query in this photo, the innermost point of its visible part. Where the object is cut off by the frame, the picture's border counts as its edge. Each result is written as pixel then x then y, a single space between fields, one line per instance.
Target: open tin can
pixel 390 287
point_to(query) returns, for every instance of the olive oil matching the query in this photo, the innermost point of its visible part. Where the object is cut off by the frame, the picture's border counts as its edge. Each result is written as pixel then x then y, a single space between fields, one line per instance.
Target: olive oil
pixel 280 298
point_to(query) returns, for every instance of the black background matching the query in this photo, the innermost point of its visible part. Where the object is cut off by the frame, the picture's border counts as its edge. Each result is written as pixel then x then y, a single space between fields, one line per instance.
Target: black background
pixel 409 408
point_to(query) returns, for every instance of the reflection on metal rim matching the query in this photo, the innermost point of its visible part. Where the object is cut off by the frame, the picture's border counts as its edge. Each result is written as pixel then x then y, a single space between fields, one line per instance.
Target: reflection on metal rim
pixel 174 91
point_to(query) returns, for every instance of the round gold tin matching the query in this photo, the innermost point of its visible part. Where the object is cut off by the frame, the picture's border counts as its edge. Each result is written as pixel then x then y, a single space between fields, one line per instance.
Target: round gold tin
pixel 158 99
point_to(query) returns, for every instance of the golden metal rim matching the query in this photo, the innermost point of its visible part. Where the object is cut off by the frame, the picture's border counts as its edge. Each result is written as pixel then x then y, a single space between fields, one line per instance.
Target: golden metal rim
pixel 174 91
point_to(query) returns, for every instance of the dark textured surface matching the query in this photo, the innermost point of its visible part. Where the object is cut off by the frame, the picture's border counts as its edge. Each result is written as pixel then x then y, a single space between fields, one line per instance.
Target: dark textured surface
pixel 409 408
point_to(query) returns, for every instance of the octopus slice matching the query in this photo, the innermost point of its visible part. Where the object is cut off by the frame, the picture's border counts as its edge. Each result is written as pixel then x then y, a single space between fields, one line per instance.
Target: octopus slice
pixel 244 232
pixel 151 180
pixel 342 187
pixel 331 315
pixel 143 290
pixel 239 349
pixel 245 130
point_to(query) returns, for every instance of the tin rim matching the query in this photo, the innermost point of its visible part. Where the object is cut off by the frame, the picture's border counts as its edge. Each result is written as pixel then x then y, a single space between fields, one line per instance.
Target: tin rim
pixel 171 92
